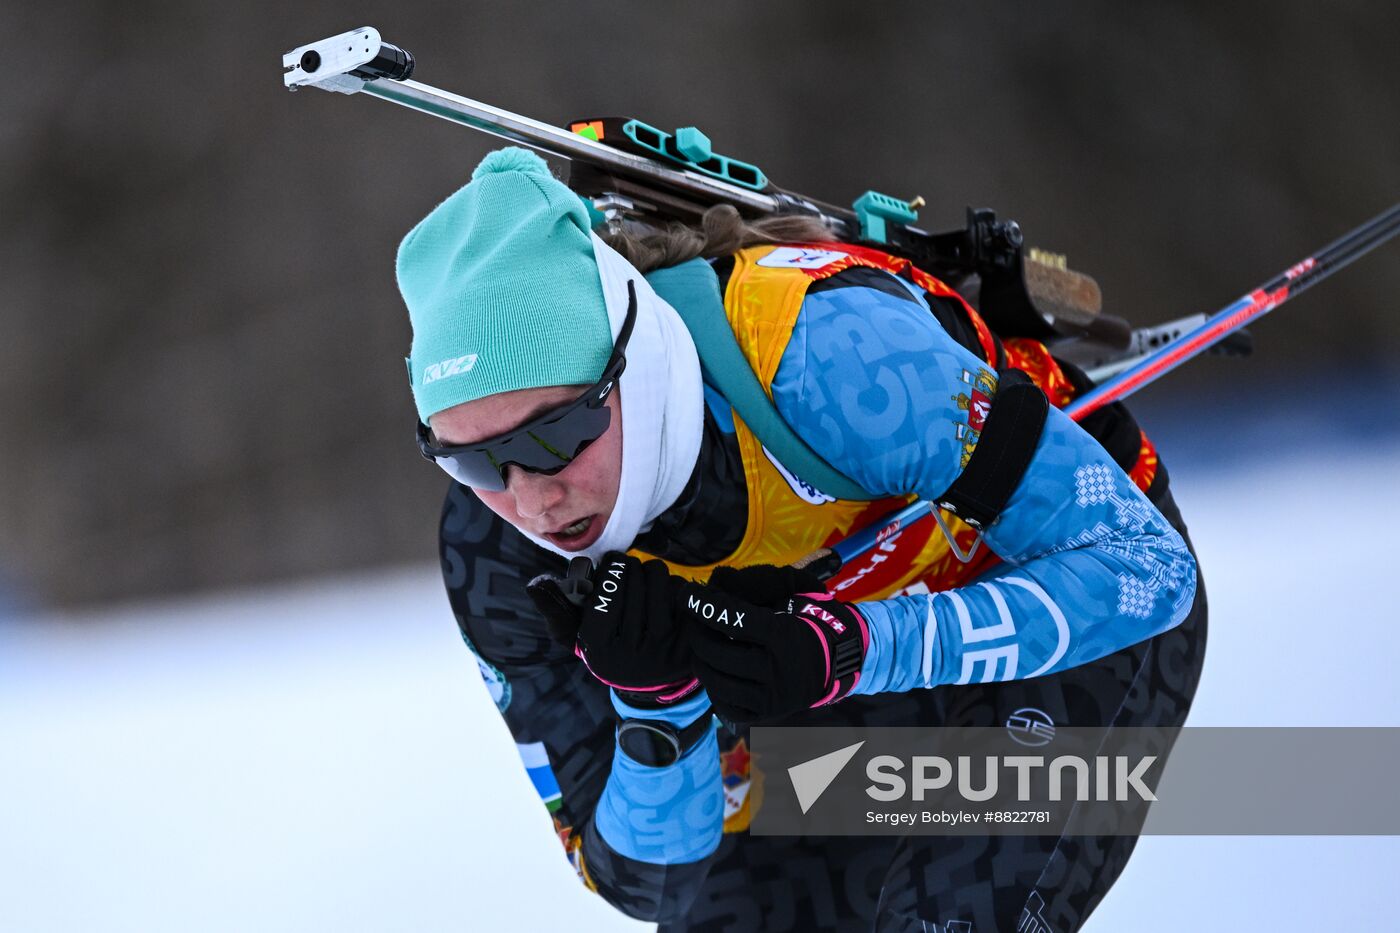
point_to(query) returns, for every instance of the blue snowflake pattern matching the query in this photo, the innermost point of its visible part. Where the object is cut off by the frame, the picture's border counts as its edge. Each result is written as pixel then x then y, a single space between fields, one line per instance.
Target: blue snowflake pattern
pixel 1138 539
pixel 1135 596
pixel 1093 484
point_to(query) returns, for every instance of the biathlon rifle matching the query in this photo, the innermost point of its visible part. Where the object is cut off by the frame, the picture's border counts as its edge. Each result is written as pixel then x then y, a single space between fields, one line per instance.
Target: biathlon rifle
pixel 630 170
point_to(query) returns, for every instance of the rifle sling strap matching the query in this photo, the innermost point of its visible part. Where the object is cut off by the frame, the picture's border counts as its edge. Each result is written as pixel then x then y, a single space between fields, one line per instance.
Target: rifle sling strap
pixel 692 288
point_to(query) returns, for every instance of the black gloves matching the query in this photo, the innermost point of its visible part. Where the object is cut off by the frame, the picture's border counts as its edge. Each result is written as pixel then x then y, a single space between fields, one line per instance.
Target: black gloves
pixel 621 620
pixel 765 641
pixel 768 641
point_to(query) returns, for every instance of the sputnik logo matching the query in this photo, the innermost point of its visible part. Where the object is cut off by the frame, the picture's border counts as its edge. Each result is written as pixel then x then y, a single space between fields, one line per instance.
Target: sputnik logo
pixel 811 778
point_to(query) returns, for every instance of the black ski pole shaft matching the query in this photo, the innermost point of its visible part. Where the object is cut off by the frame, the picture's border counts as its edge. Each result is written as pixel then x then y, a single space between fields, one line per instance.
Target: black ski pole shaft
pixel 1290 283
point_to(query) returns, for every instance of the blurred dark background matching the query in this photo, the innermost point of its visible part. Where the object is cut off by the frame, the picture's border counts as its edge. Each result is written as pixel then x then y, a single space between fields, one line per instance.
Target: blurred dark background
pixel 201 376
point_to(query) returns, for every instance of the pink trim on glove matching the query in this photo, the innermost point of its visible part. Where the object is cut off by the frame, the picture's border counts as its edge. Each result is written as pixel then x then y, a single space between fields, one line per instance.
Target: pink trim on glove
pixel 828 698
pixel 678 688
pixel 685 689
pixel 826 648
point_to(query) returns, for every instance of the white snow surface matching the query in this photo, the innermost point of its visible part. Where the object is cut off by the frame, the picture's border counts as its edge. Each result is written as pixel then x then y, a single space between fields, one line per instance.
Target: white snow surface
pixel 326 757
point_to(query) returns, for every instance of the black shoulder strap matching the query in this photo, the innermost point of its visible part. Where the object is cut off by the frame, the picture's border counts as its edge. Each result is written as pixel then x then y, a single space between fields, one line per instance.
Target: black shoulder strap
pixel 1004 450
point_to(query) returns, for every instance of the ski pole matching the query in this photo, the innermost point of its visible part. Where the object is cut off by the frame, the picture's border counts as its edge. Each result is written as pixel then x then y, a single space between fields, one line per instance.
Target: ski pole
pixel 1291 282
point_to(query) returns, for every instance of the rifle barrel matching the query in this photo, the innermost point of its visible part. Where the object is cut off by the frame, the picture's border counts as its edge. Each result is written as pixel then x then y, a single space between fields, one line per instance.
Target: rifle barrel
pixel 553 140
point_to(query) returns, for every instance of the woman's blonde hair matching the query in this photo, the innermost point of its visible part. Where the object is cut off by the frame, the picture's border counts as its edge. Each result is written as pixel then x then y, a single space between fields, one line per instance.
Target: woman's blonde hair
pixel 721 232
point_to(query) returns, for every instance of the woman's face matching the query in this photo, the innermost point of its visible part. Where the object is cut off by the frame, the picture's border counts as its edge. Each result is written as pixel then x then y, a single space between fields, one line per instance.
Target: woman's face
pixel 570 508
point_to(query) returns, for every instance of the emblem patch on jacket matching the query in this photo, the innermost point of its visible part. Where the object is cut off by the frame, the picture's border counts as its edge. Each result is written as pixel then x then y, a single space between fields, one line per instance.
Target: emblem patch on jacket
pixel 735 775
pixel 977 402
pixel 496 683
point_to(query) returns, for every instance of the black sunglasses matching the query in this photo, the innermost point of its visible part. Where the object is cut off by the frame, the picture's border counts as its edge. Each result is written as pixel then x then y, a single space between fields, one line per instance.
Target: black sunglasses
pixel 545 444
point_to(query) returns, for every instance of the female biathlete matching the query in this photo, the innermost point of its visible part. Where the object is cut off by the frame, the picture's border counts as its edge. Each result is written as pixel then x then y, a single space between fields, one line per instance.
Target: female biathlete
pixel 557 385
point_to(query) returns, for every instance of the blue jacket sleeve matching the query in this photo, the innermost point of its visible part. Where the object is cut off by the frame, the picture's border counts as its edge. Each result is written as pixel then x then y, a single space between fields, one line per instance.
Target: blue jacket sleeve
pixel 872 382
pixel 665 816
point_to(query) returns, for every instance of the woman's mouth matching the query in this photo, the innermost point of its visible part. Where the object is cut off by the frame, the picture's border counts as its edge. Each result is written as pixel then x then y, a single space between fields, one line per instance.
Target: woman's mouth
pixel 577 536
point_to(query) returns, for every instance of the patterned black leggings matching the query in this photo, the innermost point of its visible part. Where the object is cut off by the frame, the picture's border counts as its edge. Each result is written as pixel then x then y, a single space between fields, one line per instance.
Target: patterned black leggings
pixel 1044 884
pixel 958 884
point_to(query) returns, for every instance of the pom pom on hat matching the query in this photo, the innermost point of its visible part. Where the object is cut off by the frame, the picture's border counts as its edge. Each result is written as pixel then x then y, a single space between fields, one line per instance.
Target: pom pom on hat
pixel 512 159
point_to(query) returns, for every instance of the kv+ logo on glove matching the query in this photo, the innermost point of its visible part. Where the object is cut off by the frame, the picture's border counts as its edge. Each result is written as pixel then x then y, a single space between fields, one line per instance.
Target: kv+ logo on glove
pixel 768 641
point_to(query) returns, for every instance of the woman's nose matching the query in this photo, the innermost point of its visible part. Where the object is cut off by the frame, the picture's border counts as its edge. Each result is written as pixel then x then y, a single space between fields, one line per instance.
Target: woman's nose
pixel 535 493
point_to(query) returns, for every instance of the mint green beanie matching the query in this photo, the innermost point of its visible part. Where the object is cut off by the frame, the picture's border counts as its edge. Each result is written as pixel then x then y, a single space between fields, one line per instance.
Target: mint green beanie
pixel 502 288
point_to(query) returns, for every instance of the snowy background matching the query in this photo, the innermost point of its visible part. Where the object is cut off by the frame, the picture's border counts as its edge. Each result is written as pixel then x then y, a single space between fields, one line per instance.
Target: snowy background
pixel 325 757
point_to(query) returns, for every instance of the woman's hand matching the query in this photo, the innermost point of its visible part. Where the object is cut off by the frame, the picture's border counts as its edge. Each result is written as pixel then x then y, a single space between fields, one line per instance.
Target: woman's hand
pixel 625 629
pixel 767 641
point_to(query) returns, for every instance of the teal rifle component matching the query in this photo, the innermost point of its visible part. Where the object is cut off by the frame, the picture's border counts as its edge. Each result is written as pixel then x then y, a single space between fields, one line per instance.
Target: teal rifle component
pixel 691 148
pixel 632 171
pixel 693 144
pixel 873 209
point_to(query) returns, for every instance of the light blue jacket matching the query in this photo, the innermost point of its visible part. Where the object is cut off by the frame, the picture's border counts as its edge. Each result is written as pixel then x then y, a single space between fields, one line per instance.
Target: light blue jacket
pixel 869 381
